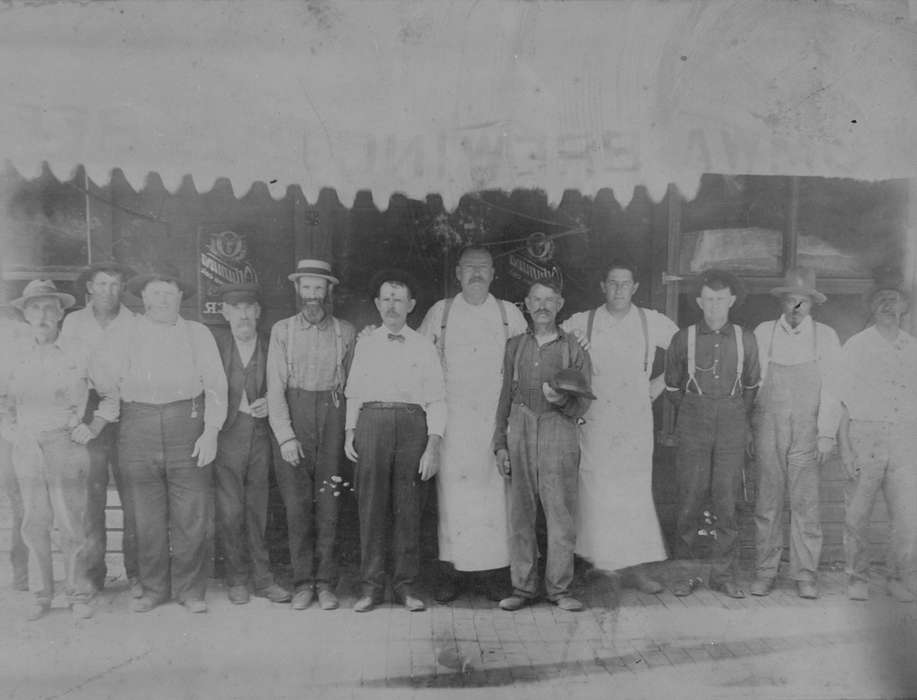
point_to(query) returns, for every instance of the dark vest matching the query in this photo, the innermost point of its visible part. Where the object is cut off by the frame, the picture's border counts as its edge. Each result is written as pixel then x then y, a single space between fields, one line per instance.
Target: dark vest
pixel 238 377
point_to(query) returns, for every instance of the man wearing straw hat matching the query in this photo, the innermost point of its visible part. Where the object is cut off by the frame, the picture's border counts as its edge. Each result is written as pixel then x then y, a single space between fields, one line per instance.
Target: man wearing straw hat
pixel 173 392
pixel 795 423
pixel 878 440
pixel 100 326
pixel 308 358
pixel 711 374
pixel 45 394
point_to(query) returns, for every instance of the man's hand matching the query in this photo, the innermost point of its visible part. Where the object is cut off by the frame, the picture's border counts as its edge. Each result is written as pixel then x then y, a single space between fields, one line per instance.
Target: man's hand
pixel 429 460
pixel 551 395
pixel 82 434
pixel 205 449
pixel 825 448
pixel 582 339
pixel 259 408
pixel 503 463
pixel 291 451
pixel 349 449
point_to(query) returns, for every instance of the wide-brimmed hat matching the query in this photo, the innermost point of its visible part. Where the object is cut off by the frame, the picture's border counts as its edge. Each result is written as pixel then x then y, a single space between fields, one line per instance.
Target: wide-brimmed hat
pixel 163 273
pixel 800 280
pixel 239 293
pixel 313 268
pixel 102 266
pixel 716 275
pixel 42 288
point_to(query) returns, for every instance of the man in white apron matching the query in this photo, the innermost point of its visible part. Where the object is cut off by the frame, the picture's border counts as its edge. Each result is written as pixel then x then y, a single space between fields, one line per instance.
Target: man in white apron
pixel 616 524
pixel 470 331
pixel 795 425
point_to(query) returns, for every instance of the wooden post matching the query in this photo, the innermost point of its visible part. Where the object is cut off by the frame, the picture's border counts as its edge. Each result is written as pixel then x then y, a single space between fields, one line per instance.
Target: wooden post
pixel 672 290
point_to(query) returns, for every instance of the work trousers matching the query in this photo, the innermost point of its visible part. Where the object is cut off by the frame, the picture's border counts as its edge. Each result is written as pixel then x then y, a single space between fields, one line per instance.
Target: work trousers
pixel 786 438
pixel 708 463
pixel 52 471
pixel 885 459
pixel 240 474
pixel 544 458
pixel 389 442
pixel 173 497
pixel 308 490
pixel 19 553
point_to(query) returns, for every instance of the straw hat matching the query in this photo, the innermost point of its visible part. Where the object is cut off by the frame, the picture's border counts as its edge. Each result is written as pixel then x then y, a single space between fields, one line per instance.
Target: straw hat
pixel 313 268
pixel 42 288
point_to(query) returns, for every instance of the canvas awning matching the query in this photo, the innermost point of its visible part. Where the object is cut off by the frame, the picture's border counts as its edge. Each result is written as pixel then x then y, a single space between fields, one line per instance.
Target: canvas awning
pixel 418 97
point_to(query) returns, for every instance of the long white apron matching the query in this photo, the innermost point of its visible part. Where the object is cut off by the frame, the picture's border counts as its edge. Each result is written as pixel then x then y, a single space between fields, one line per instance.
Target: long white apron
pixel 616 524
pixel 472 496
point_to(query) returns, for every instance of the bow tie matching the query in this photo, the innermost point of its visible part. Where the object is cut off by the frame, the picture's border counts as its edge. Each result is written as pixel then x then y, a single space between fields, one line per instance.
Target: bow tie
pixel 396 336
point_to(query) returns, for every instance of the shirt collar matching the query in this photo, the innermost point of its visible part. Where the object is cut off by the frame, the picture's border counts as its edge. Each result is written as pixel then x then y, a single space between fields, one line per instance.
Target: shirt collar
pixel 321 325
pixel 789 330
pixel 704 329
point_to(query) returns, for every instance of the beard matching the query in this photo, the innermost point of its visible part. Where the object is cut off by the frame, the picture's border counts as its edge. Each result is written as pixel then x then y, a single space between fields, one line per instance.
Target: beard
pixel 314 310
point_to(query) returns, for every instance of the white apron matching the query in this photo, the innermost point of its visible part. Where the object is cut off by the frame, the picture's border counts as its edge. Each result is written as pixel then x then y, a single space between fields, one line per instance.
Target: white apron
pixel 472 496
pixel 616 523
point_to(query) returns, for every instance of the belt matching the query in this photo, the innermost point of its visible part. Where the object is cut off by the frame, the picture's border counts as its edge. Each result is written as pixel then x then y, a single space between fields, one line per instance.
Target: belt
pixel 391 405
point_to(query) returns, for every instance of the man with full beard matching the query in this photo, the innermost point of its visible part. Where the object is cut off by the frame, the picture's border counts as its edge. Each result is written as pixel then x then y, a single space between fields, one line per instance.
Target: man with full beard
pixel 307 362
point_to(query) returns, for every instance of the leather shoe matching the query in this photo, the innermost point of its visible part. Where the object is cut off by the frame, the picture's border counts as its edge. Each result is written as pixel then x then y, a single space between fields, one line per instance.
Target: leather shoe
pixel 37 610
pixel 364 604
pixel 21 584
pixel 412 603
pixel 685 587
pixel 514 602
pixel 274 593
pixel 81 611
pixel 447 591
pixel 645 584
pixel 302 599
pixel 730 588
pixel 807 590
pixel 136 587
pixel 143 604
pixel 899 591
pixel 857 590
pixel 762 586
pixel 327 600
pixel 238 595
pixel 194 605
pixel 568 603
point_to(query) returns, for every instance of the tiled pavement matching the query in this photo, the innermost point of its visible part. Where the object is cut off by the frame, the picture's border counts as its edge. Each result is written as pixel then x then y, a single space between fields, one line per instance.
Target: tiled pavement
pixel 633 644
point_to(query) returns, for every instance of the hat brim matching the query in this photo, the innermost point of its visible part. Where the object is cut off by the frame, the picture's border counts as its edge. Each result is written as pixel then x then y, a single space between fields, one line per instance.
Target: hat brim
pixel 66 300
pixel 573 391
pixel 331 278
pixel 817 296
pixel 88 273
pixel 136 284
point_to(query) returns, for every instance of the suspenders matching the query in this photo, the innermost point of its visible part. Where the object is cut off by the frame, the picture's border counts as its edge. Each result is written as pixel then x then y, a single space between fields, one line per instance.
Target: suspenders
pixel 643 325
pixel 692 354
pixel 338 356
pixel 447 307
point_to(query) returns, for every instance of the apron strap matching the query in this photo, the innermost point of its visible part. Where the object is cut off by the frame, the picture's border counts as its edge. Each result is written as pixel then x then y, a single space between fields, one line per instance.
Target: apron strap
pixel 441 339
pixel 646 339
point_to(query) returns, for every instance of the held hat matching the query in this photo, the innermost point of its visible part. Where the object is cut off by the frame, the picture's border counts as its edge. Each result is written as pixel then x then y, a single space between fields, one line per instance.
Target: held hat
pixel 722 278
pixel 313 268
pixel 571 381
pixel 42 288
pixel 110 266
pixel 163 273
pixel 800 280
pixel 240 293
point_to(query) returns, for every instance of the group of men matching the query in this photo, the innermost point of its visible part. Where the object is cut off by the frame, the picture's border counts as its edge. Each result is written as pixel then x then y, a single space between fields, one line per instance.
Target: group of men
pixel 510 418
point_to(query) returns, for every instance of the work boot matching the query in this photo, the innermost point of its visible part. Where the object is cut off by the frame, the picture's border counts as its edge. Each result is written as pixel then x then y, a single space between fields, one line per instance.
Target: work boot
pixel 194 605
pixel 37 610
pixel 729 587
pixel 897 590
pixel 238 595
pixel 81 611
pixel 135 586
pixel 568 603
pixel 302 599
pixel 274 593
pixel 857 589
pixel 643 583
pixel 762 586
pixel 327 600
pixel 514 602
pixel 807 590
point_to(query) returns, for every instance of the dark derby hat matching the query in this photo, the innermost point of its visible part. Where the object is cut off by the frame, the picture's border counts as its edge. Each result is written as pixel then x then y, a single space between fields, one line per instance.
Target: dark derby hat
pixel 239 293
pixel 573 382
pixel 166 272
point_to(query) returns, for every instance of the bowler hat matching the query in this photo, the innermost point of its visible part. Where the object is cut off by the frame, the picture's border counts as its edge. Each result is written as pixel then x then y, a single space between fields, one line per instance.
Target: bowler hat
pixel 110 266
pixel 165 272
pixel 238 293
pixel 42 288
pixel 313 268
pixel 571 381
pixel 800 280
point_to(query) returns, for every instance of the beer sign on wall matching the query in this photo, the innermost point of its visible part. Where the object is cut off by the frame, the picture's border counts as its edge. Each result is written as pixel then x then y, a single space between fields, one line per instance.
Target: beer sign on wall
pixel 225 259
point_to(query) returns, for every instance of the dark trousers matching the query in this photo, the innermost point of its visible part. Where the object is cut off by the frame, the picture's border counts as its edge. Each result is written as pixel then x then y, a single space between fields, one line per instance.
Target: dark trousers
pixel 52 471
pixel 389 442
pixel 19 553
pixel 708 464
pixel 240 473
pixel 308 489
pixel 173 497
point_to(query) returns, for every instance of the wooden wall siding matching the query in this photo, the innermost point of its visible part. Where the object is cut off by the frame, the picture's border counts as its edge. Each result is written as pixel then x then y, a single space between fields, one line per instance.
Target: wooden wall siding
pixel 143 227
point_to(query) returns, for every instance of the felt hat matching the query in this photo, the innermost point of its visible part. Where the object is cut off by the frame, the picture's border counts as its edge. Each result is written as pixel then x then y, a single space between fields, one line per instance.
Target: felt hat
pixel 573 382
pixel 42 288
pixel 800 280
